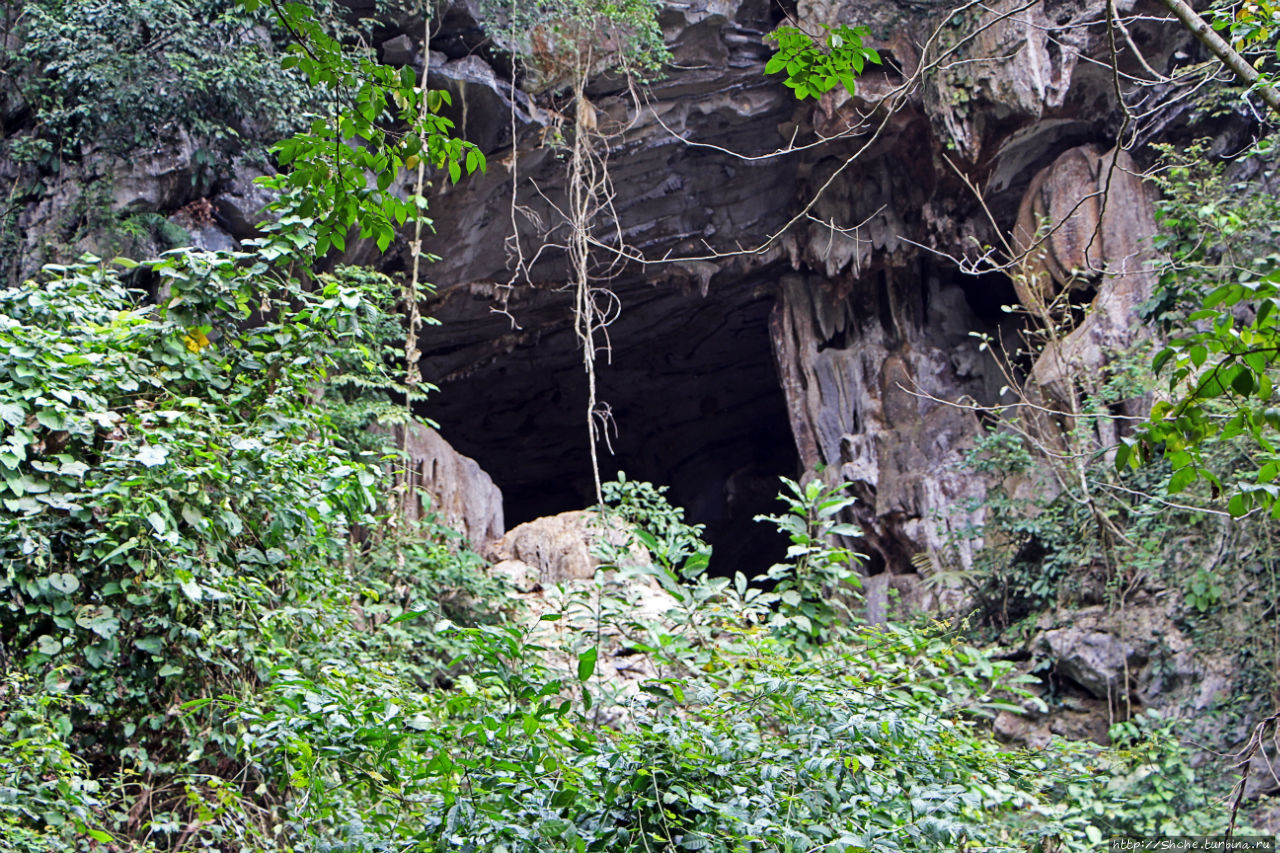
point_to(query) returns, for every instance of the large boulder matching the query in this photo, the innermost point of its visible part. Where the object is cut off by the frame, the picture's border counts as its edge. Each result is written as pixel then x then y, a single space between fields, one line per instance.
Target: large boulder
pixel 1097 661
pixel 565 547
pixel 1138 650
pixel 1102 664
pixel 552 565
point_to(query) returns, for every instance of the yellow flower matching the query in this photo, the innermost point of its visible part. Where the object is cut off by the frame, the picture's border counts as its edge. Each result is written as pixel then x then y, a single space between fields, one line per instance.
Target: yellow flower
pixel 195 340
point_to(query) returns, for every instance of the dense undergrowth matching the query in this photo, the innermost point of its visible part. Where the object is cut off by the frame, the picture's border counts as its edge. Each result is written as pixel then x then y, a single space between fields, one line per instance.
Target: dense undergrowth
pixel 207 646
pixel 1194 525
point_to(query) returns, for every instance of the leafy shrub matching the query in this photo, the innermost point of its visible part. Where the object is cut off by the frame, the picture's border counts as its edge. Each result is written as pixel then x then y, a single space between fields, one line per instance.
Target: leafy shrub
pixel 763 750
pixel 662 527
pixel 117 76
pixel 42 782
pixel 1217 296
pixel 171 448
pixel 183 483
pixel 816 66
pixel 1145 787
pixel 813 586
pixel 873 740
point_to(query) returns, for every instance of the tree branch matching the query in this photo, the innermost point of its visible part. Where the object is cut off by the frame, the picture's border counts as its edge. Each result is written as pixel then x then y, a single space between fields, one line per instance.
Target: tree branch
pixel 1200 28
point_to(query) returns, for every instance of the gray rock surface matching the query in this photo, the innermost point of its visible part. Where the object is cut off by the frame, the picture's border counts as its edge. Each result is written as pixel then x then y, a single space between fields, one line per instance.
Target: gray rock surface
pixel 458 491
pixel 868 333
pixel 785 317
pixel 551 564
pixel 1110 662
pixel 559 548
pixel 1097 661
pixel 630 608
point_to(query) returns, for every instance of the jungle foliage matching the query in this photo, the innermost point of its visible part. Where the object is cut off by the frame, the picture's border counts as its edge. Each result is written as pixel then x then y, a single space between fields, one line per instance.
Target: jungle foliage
pixel 1176 514
pixel 216 632
pixel 816 66
pixel 120 77
pixel 1217 297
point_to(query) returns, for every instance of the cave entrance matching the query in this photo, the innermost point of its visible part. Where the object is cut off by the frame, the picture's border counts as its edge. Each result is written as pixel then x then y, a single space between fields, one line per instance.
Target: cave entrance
pixel 691 385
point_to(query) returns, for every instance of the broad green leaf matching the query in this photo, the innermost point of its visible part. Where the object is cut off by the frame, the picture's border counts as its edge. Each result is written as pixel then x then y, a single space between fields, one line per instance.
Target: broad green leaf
pixel 152 456
pixel 12 413
pixel 587 663
pixel 101 620
pixel 64 582
pixel 74 468
pixel 1181 479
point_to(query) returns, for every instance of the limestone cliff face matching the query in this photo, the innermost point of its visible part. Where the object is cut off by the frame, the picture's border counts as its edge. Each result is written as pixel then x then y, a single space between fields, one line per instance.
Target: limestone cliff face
pixel 804 272
pixel 787 317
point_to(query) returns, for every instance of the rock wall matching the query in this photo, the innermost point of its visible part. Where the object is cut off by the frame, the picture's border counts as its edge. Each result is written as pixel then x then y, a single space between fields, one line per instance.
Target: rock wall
pixel 448 485
pixel 787 317
pixel 869 331
pixel 869 378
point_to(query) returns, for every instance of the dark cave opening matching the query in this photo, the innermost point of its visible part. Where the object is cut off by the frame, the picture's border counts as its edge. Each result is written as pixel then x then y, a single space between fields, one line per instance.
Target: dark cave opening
pixel 987 294
pixel 694 398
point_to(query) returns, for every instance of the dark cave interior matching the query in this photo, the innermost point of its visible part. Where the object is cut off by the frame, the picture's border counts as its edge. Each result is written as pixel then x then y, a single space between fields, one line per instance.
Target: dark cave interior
pixel 692 388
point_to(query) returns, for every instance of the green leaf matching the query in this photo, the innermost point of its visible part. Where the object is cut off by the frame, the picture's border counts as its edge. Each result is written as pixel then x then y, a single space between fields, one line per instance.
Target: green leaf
pixel 1264 311
pixel 12 413
pixel 51 419
pixel 587 664
pixel 152 456
pixel 74 468
pixel 192 515
pixel 100 620
pixel 64 582
pixel 1123 451
pixel 1181 479
pixel 1243 382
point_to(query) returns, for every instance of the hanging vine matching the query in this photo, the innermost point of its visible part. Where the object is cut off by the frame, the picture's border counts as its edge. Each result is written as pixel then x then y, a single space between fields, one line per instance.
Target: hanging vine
pixel 564 44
